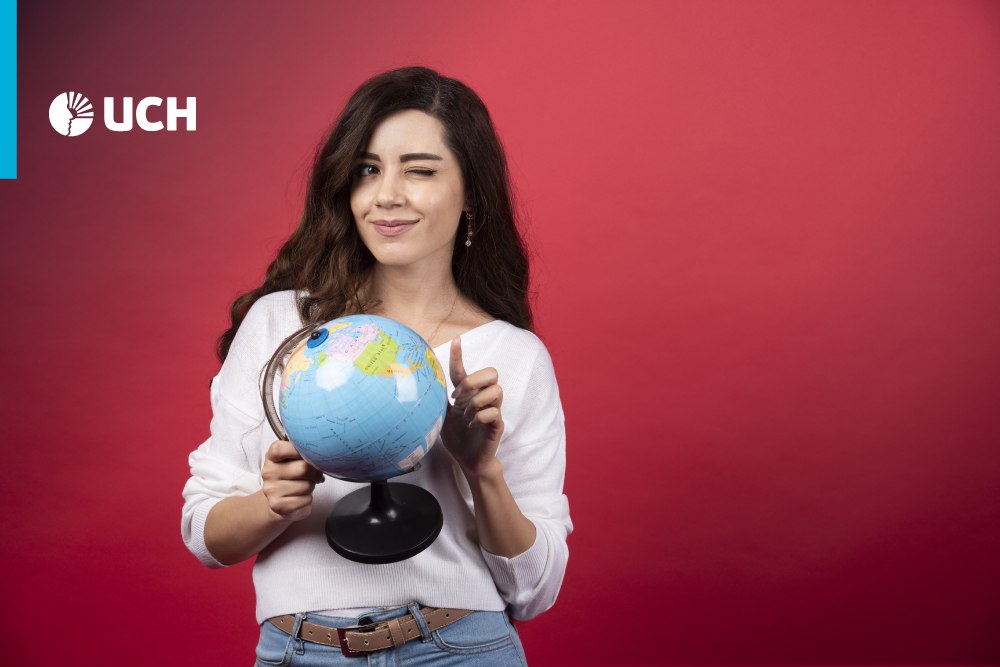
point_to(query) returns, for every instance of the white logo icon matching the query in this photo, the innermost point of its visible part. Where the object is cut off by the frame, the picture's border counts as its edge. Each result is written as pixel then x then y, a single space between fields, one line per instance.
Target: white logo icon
pixel 71 114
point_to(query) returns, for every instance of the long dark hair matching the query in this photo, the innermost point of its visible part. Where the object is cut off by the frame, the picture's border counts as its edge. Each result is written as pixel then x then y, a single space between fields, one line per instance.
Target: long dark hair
pixel 325 256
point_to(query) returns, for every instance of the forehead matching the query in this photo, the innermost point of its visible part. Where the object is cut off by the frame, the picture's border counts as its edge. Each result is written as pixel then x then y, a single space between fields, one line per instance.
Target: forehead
pixel 409 131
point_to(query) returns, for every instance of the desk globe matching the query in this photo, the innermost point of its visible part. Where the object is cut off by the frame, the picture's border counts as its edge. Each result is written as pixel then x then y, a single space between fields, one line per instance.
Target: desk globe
pixel 363 398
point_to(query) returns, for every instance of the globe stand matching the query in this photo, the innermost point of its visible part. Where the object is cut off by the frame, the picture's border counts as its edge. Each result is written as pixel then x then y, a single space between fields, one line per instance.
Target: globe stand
pixel 384 523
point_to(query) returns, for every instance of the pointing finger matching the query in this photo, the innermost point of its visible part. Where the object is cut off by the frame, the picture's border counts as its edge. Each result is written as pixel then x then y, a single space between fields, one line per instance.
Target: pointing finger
pixel 455 366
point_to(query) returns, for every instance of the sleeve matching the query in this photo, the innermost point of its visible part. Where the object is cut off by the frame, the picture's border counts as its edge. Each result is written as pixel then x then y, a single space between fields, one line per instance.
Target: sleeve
pixel 534 464
pixel 228 462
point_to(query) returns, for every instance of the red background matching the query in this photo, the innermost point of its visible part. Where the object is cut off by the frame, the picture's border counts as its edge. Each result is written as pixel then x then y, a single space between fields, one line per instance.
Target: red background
pixel 766 255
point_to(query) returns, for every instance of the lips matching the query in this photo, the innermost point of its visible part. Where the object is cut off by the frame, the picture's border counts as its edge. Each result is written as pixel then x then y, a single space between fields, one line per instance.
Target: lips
pixel 393 227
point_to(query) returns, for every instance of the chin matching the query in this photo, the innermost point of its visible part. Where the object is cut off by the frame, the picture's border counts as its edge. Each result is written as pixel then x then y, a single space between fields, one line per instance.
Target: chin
pixel 390 258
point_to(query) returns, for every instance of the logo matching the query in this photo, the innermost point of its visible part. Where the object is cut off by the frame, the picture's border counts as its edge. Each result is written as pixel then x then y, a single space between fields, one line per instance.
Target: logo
pixel 71 114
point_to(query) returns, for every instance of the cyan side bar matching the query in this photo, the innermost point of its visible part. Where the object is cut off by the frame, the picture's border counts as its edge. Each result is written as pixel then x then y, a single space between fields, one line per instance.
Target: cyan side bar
pixel 8 88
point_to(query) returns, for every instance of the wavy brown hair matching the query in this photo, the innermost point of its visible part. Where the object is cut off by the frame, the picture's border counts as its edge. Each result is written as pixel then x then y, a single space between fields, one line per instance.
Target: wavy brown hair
pixel 325 256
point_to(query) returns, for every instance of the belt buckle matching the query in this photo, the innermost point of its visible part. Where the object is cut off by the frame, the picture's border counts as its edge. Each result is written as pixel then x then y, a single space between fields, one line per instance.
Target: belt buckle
pixel 342 638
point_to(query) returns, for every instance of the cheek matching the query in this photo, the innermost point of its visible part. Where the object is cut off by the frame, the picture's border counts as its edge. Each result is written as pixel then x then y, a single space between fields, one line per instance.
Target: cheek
pixel 446 202
pixel 359 202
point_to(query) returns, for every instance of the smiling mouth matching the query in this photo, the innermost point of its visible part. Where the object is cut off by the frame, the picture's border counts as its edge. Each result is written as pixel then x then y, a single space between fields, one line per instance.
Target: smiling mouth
pixel 394 228
pixel 393 223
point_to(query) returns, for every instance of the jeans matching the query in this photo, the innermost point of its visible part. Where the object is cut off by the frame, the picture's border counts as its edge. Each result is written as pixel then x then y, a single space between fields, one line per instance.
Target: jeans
pixel 482 639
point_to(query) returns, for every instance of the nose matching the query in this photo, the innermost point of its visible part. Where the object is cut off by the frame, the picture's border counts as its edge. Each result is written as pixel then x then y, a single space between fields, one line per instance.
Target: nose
pixel 388 193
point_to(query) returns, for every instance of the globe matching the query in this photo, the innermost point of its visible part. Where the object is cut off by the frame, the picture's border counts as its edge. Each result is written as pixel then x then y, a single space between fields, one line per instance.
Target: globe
pixel 363 398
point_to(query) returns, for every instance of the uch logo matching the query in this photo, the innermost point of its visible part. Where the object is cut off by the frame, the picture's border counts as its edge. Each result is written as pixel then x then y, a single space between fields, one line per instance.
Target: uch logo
pixel 72 113
pixel 69 109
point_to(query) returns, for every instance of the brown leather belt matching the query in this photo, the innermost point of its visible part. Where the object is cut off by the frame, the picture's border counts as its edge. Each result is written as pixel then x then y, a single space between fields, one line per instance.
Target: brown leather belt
pixel 360 639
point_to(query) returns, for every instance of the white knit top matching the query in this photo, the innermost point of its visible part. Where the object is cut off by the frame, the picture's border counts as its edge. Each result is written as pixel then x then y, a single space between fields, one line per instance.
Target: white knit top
pixel 299 572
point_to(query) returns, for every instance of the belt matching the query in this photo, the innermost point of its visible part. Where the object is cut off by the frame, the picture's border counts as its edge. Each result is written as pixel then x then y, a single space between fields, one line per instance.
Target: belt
pixel 360 639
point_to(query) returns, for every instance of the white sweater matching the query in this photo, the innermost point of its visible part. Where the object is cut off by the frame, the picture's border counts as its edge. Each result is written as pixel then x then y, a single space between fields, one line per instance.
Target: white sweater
pixel 299 572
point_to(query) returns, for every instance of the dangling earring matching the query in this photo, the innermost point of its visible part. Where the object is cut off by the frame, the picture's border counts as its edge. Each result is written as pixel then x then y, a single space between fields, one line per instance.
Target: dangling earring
pixel 468 236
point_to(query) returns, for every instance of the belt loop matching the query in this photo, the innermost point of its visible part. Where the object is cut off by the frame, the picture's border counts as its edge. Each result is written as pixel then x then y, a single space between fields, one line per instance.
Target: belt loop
pixel 425 632
pixel 300 647
pixel 396 631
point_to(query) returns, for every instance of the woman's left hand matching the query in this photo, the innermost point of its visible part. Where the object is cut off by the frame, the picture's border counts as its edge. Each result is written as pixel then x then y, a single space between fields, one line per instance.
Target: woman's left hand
pixel 473 425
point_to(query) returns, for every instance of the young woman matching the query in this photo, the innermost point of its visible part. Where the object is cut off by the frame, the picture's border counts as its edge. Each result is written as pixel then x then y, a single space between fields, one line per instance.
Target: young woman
pixel 408 215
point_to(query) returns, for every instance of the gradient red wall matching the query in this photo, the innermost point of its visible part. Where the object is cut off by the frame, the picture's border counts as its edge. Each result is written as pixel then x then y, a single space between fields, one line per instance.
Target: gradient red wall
pixel 766 255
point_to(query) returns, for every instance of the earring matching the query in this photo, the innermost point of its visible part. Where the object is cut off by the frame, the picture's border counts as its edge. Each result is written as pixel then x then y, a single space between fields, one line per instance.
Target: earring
pixel 468 237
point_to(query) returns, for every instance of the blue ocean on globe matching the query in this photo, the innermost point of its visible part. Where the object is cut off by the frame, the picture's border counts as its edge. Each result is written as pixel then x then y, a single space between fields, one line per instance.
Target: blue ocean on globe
pixel 363 398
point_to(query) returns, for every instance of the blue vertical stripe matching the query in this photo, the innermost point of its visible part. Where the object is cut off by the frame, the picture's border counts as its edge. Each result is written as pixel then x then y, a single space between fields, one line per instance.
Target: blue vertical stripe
pixel 8 88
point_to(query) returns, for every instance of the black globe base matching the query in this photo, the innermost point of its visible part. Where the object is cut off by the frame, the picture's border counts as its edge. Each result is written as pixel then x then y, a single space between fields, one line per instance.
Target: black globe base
pixel 384 523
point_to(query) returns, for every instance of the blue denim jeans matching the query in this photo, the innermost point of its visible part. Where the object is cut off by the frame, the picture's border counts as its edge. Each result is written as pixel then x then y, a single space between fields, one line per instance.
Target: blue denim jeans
pixel 482 639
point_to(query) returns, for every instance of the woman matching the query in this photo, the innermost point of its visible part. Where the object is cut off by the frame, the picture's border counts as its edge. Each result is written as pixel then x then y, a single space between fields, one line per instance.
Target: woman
pixel 408 215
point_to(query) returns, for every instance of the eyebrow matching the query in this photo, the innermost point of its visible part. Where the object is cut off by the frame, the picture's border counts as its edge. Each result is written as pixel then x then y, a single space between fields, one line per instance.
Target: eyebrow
pixel 405 157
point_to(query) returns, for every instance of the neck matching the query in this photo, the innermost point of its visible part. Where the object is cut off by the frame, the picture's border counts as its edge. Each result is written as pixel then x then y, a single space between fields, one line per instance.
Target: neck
pixel 410 295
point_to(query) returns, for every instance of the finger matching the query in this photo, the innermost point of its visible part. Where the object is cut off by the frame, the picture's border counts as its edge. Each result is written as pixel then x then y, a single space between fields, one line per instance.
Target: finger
pixel 288 487
pixel 456 367
pixel 292 508
pixel 290 469
pixel 491 396
pixel 475 382
pixel 316 475
pixel 490 416
pixel 300 488
pixel 295 470
pixel 282 450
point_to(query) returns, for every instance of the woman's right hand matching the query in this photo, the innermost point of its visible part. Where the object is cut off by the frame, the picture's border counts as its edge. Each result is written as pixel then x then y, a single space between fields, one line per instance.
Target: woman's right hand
pixel 288 481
